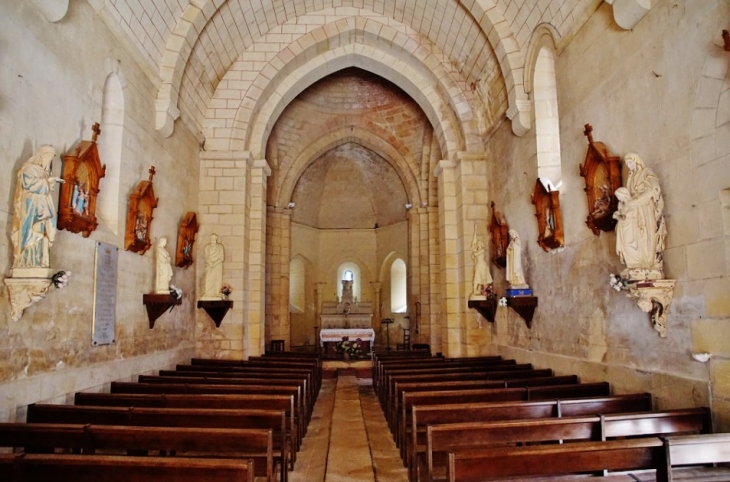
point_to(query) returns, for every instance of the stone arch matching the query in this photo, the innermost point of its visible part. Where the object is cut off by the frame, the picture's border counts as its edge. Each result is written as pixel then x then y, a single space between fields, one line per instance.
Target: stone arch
pixel 373 137
pixel 544 36
pixel 508 53
pixel 389 54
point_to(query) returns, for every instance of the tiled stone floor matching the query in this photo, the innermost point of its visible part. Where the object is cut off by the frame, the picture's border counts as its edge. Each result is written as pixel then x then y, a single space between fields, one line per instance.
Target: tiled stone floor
pixel 348 439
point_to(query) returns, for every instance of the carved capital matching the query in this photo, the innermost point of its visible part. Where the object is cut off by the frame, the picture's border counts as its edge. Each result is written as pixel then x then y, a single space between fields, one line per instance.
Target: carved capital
pixel 519 114
pixel 167 114
pixel 627 13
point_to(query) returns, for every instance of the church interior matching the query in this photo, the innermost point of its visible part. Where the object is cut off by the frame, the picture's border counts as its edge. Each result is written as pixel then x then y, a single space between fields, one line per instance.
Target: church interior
pixel 542 181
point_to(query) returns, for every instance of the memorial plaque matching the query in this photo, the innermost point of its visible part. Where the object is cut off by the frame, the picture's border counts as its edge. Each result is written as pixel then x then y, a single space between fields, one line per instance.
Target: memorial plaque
pixel 105 294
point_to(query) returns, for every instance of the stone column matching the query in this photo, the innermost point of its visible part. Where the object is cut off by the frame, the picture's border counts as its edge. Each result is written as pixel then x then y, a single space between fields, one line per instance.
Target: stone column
pixel 451 280
pixel 255 256
pixel 319 288
pixel 472 177
pixel 223 190
pixel 278 225
pixel 377 311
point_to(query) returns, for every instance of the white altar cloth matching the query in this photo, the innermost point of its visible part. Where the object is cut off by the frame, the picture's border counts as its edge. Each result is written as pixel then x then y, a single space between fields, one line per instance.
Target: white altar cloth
pixel 336 334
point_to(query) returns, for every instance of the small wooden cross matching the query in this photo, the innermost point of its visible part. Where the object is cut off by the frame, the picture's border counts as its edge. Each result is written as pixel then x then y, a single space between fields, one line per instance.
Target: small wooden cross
pixel 152 172
pixel 97 131
pixel 588 132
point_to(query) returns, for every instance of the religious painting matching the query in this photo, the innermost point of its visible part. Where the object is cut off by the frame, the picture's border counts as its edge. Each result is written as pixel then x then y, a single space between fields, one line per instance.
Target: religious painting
pixel 82 172
pixel 185 240
pixel 499 230
pixel 142 203
pixel 602 173
pixel 549 216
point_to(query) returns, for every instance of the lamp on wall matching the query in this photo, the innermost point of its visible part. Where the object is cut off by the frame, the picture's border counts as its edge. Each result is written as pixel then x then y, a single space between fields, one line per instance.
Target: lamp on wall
pixel 291 205
pixel 408 205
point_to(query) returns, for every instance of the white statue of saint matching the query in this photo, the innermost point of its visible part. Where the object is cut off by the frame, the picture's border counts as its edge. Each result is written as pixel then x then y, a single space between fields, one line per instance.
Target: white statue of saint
pixel 482 277
pixel 34 224
pixel 515 275
pixel 641 230
pixel 213 281
pixel 163 274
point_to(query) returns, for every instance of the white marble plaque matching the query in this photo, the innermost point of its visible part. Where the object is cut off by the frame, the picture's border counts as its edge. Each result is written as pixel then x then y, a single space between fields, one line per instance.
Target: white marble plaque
pixel 105 294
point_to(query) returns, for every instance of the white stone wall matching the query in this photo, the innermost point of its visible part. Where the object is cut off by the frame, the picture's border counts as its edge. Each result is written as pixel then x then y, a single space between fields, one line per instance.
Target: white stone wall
pixel 660 90
pixel 51 85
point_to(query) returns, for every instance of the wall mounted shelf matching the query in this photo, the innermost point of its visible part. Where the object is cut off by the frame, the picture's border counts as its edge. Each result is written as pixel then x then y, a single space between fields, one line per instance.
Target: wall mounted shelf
pixel 157 305
pixel 524 306
pixel 216 309
pixel 486 308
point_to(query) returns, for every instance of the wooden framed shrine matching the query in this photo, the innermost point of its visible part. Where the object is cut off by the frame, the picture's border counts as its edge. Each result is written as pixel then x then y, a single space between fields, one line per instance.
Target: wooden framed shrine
pixel 82 173
pixel 602 173
pixel 142 203
pixel 185 240
pixel 549 216
pixel 499 229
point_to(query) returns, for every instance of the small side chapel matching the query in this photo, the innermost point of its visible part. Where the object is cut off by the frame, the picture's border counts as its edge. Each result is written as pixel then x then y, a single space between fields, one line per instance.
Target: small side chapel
pixel 351 156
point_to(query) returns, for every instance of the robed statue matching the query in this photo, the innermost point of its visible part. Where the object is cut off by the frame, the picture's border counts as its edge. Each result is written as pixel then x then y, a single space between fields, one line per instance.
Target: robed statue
pixel 213 277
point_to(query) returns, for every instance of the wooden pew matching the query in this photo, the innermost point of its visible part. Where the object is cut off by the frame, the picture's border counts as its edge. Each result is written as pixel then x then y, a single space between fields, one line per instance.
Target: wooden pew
pixel 444 438
pixel 172 400
pixel 389 377
pixel 256 372
pixel 274 420
pixel 272 364
pixel 552 460
pixel 248 379
pixel 411 399
pixel 682 452
pixel 194 385
pixel 302 411
pixel 254 444
pixel 385 356
pixel 424 415
pixel 95 468
pixel 499 379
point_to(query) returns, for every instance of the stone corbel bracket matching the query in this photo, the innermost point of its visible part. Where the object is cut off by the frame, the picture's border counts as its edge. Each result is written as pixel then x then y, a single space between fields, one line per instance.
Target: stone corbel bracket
pixel 627 13
pixel 654 297
pixel 24 292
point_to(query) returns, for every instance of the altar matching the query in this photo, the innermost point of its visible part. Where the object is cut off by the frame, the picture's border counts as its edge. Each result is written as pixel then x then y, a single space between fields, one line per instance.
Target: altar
pixel 328 338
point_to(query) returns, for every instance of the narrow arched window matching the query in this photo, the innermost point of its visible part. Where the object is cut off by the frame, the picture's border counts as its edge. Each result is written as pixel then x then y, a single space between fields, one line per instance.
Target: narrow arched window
pixel 297 299
pixel 110 152
pixel 398 291
pixel 547 123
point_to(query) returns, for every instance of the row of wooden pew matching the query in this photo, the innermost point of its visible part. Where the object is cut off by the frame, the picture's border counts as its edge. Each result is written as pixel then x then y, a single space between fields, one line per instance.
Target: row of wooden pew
pixel 486 418
pixel 249 415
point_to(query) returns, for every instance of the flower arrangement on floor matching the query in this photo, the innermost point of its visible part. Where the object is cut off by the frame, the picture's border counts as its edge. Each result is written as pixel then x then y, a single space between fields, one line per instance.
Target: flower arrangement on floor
pixel 618 283
pixel 349 347
pixel 60 279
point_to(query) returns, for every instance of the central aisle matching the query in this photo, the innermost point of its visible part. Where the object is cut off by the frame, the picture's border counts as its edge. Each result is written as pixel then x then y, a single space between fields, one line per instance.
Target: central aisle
pixel 348 439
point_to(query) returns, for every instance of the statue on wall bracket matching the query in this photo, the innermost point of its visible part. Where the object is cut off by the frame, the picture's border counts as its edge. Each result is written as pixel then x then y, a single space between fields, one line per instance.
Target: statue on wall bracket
pixel 549 216
pixel 640 241
pixel 33 233
pixel 142 203
pixel 82 172
pixel 602 174
pixel 185 240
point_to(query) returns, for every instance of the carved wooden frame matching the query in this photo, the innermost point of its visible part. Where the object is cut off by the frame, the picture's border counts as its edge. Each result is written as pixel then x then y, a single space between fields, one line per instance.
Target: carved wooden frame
pixel 142 203
pixel 499 229
pixel 602 173
pixel 82 173
pixel 185 240
pixel 549 217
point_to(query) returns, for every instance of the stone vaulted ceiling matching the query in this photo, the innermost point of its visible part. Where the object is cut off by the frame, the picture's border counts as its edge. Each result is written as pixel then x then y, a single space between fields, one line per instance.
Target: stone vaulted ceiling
pixel 228 68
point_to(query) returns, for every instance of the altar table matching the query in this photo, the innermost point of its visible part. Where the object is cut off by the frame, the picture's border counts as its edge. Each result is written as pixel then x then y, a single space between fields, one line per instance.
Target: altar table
pixel 328 337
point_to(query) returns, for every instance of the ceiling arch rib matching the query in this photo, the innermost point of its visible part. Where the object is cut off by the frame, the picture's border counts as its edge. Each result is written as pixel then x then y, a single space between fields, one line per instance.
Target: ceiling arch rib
pixel 423 78
pixel 374 137
pixel 468 54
